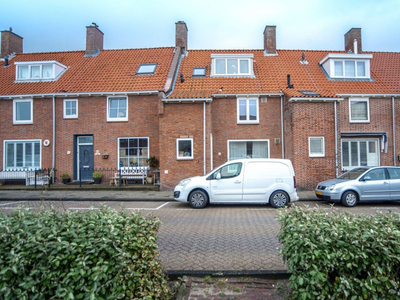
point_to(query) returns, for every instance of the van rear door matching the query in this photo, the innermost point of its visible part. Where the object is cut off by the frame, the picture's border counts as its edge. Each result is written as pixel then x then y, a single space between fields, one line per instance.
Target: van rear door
pixel 226 184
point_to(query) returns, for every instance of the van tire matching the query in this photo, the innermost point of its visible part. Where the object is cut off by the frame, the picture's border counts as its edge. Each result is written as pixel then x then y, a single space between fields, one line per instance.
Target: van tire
pixel 279 199
pixel 198 199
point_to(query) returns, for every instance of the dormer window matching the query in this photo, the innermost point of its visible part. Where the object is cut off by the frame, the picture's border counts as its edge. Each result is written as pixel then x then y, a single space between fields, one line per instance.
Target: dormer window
pixel 232 65
pixel 347 66
pixel 39 70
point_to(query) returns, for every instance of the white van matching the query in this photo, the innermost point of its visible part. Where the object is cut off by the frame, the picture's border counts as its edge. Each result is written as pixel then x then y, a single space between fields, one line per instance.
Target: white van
pixel 242 181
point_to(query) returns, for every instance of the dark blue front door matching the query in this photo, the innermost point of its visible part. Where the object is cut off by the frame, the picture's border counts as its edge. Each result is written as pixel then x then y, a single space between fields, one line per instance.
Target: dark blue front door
pixel 86 162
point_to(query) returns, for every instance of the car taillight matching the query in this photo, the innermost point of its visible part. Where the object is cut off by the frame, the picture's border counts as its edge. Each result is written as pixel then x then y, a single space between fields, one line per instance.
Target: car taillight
pixel 294 182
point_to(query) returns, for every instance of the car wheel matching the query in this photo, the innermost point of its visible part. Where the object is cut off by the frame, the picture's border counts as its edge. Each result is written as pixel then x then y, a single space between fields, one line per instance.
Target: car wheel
pixel 198 199
pixel 279 199
pixel 349 199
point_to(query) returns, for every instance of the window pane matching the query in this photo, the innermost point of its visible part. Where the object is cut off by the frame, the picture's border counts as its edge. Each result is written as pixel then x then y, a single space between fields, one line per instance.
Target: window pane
pixel 117 108
pixel 47 71
pixel 35 71
pixel 260 149
pixel 354 153
pixel 10 156
pixel 372 147
pixel 133 152
pixel 146 69
pixel 20 155
pixel 185 148
pixel 23 111
pixel 23 72
pixel 244 67
pixel 345 154
pixel 363 154
pixel 359 110
pixel 36 161
pixel 338 68
pixel 361 69
pixel 237 150
pixel 220 67
pixel 233 66
pixel 316 146
pixel 253 109
pixel 28 155
pixel 242 110
pixel 350 68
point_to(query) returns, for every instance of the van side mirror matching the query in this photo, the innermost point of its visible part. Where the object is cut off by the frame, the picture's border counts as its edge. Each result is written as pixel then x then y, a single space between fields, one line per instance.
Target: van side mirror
pixel 218 177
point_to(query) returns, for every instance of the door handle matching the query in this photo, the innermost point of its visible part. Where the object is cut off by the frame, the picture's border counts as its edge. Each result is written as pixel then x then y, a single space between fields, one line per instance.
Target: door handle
pixel 238 182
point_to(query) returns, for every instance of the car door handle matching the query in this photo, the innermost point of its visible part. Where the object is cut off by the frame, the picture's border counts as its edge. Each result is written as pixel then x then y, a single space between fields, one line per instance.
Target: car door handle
pixel 386 182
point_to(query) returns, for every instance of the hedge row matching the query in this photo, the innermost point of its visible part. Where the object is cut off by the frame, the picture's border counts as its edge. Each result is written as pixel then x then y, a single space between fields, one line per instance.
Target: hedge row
pixel 334 255
pixel 97 254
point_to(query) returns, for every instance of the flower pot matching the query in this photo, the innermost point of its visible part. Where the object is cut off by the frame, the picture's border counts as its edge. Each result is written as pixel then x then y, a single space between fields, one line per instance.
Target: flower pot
pixel 149 180
pixel 66 180
pixel 97 180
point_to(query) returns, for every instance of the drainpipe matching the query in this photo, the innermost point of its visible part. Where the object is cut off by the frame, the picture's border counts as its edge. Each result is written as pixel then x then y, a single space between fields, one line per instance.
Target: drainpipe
pixel 204 139
pixel 211 152
pixel 54 136
pixel 336 142
pixel 394 134
pixel 282 129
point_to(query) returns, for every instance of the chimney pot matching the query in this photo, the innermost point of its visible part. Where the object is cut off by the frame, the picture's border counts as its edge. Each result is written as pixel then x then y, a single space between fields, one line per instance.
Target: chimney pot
pixel 181 35
pixel 270 40
pixel 10 43
pixel 349 44
pixel 94 40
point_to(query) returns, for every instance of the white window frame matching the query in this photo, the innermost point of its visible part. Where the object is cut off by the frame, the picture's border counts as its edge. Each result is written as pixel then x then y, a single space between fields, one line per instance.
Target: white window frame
pixel 247 121
pixel 241 141
pixel 71 116
pixel 226 57
pixel 322 141
pixel 24 142
pixel 117 119
pixel 376 141
pixel 57 70
pixel 178 154
pixel 15 121
pixel 353 99
pixel 133 156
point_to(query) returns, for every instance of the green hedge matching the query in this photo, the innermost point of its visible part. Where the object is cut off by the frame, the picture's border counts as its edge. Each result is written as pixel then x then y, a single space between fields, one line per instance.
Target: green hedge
pixel 97 254
pixel 334 255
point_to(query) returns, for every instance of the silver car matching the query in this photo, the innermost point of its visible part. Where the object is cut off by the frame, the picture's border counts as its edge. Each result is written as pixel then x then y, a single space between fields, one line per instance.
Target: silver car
pixel 362 184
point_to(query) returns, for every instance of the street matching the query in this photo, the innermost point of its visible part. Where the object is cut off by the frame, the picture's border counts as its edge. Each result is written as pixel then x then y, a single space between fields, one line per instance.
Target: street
pixel 219 238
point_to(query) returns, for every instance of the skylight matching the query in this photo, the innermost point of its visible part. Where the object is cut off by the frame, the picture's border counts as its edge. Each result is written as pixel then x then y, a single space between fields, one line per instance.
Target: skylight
pixel 309 93
pixel 146 69
pixel 199 72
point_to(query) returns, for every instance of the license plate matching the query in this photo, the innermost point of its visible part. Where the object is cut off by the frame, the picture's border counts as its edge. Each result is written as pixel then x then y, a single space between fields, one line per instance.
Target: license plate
pixel 319 193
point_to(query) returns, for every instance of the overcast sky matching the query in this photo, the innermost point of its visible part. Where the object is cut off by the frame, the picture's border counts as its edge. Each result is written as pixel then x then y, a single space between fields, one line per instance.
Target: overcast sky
pixel 60 25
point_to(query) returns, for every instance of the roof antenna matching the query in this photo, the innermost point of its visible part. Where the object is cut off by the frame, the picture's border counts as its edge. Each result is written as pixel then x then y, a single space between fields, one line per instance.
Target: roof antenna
pixel 289 85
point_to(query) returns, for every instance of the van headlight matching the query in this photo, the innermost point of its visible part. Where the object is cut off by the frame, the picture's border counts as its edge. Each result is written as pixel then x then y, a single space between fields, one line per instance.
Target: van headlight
pixel 184 182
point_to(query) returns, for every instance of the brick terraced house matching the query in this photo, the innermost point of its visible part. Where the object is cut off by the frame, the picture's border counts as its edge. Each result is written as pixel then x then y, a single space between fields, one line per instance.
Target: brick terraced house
pixel 327 111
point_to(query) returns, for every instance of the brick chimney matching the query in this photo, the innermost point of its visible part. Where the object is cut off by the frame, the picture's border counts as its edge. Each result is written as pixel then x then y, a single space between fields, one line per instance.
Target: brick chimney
pixel 10 43
pixel 349 44
pixel 270 40
pixel 94 40
pixel 181 35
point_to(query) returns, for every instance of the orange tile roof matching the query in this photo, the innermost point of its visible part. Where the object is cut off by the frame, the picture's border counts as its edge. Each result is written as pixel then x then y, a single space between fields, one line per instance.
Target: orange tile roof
pixel 271 75
pixel 110 71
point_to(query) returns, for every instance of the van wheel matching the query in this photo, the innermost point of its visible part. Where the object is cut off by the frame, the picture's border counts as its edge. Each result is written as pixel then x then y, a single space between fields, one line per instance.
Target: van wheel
pixel 198 199
pixel 349 199
pixel 279 199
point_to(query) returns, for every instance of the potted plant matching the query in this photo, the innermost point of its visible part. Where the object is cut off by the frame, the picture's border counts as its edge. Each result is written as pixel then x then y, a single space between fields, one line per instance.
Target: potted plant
pixel 97 176
pixel 65 178
pixel 153 163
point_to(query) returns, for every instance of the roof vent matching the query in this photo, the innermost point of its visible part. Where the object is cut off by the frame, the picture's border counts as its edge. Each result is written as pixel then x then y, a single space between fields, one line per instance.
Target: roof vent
pixel 289 85
pixel 6 61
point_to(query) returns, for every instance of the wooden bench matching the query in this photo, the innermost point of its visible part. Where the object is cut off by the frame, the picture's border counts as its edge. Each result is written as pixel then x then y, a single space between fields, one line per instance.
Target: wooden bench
pixel 16 175
pixel 130 174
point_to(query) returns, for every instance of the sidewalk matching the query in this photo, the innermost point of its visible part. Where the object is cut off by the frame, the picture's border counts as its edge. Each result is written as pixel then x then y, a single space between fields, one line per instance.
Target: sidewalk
pixel 103 192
